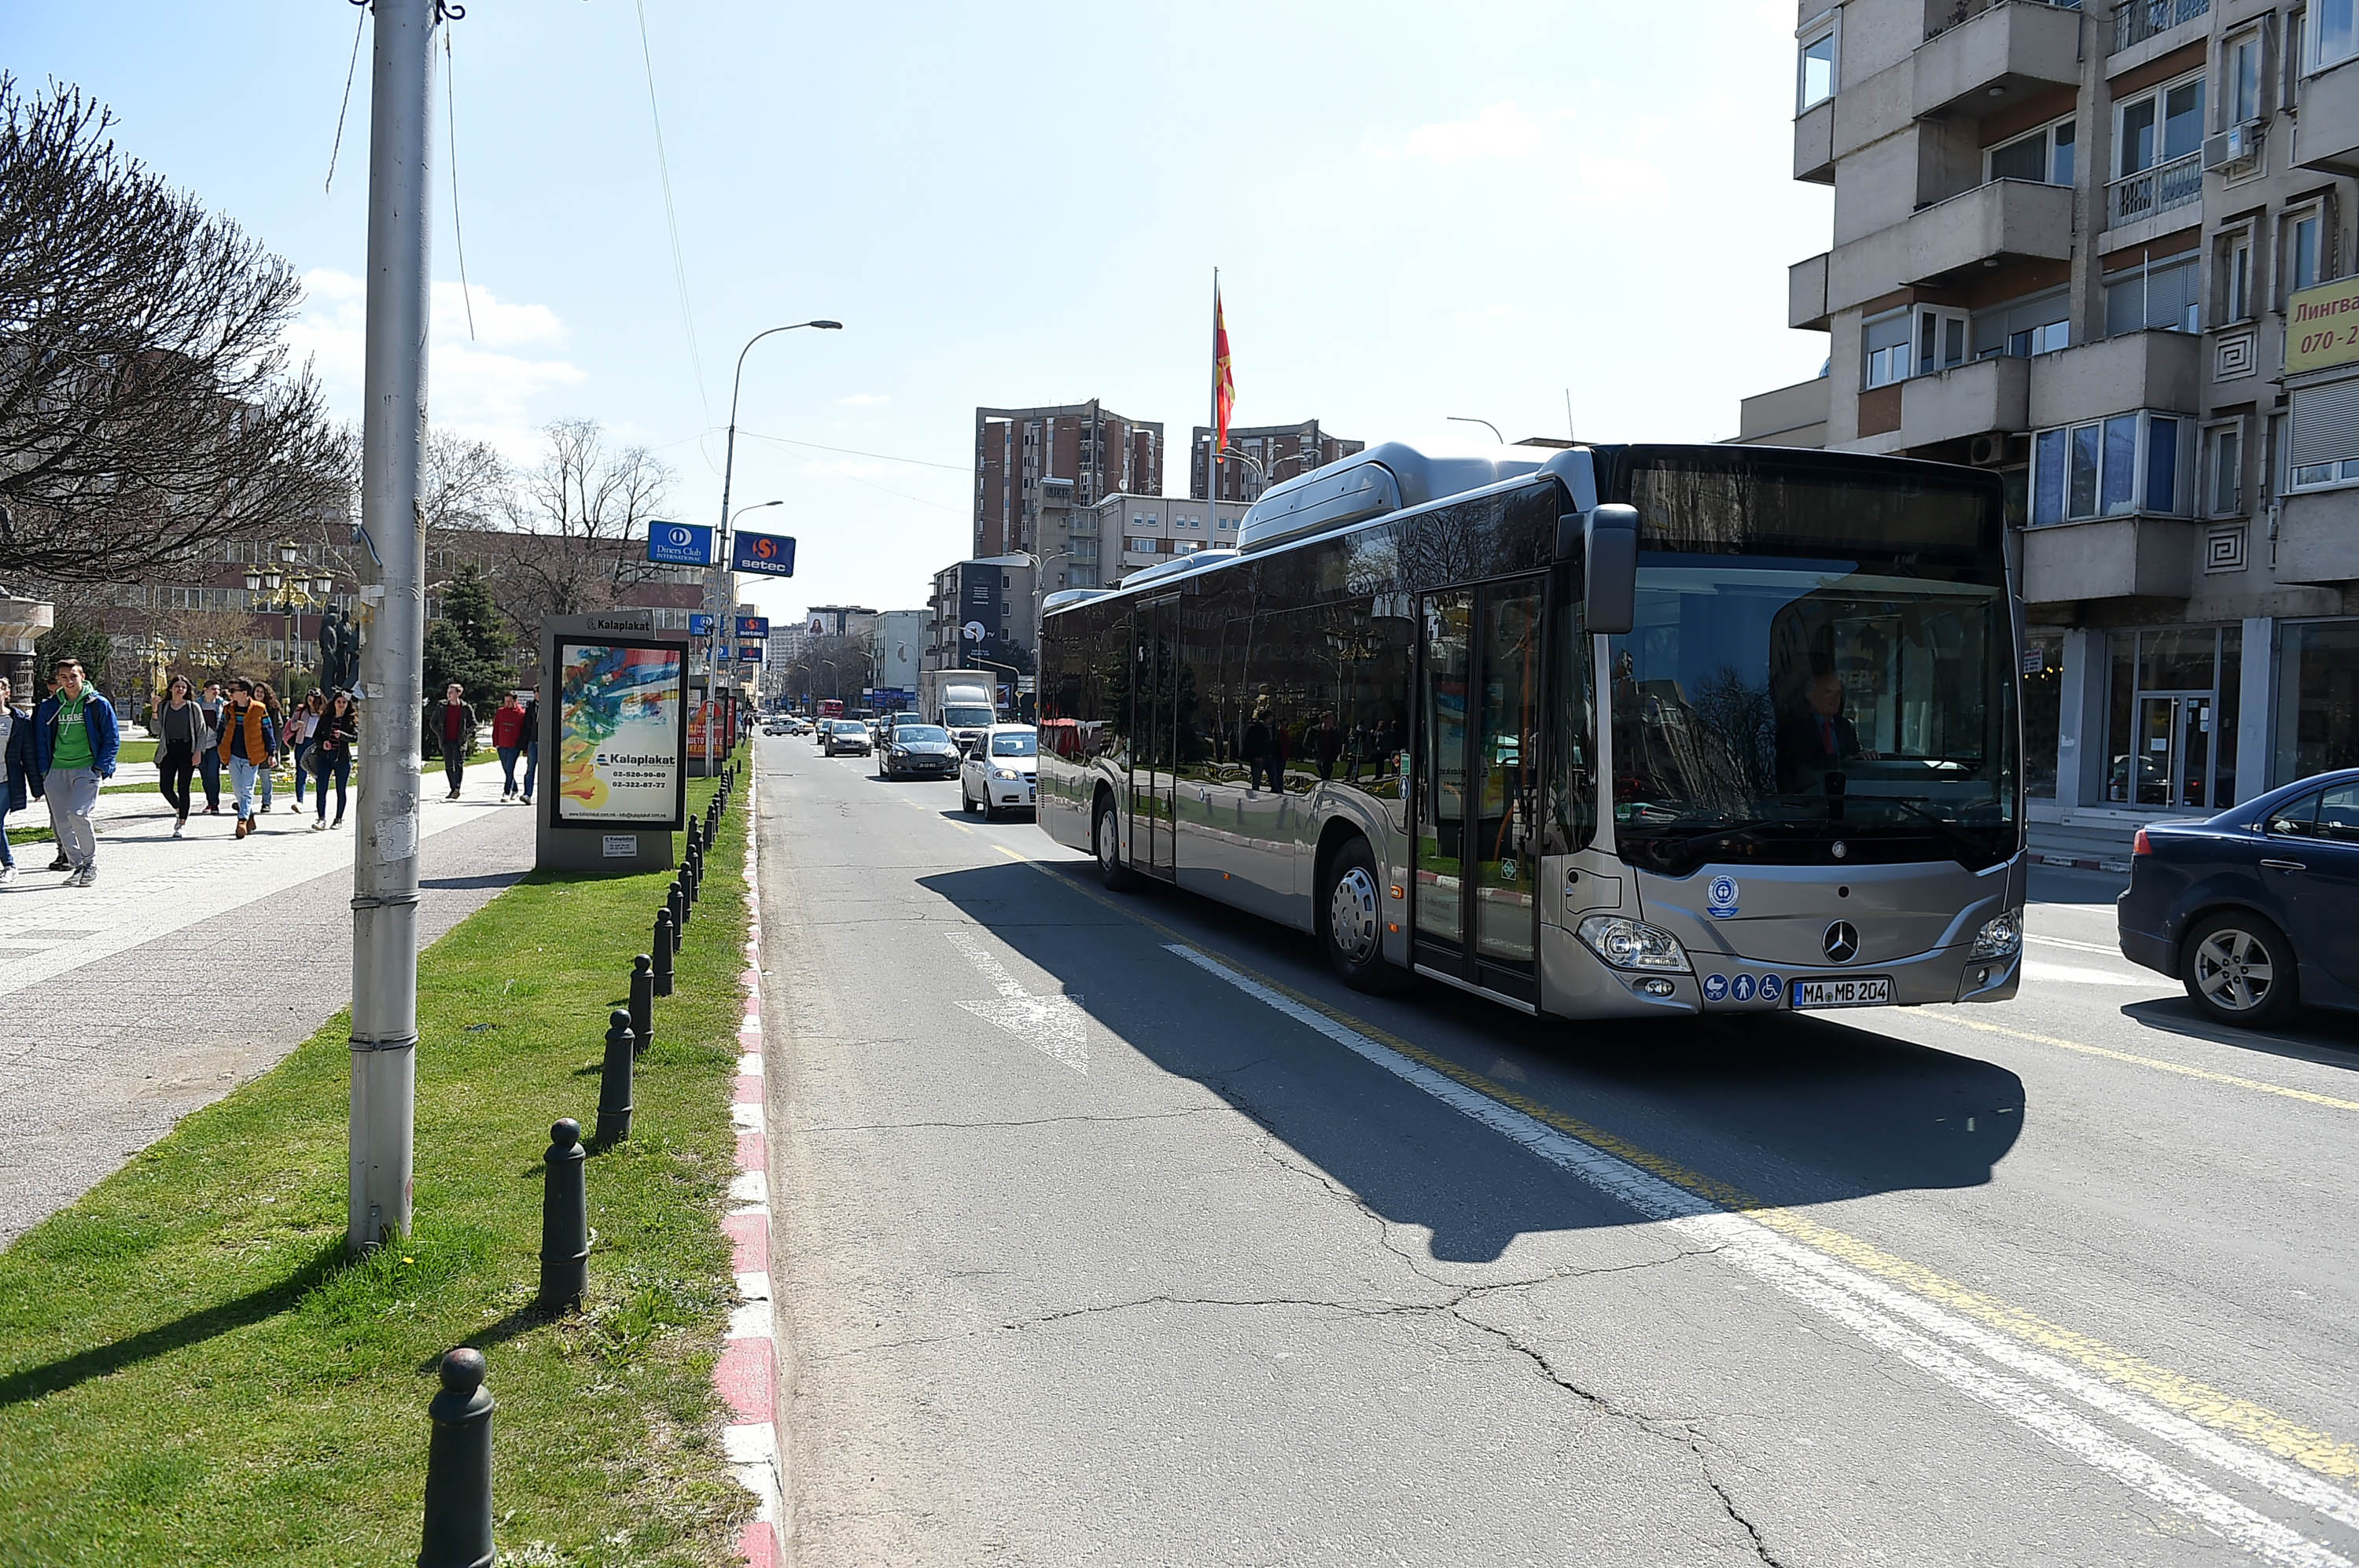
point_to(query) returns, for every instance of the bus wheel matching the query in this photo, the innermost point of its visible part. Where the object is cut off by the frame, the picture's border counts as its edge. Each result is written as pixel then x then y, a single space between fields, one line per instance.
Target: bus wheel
pixel 1353 921
pixel 1107 837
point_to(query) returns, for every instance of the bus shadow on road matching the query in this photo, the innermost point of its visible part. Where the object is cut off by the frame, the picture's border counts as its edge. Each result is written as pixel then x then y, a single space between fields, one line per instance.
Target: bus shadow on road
pixel 1781 1110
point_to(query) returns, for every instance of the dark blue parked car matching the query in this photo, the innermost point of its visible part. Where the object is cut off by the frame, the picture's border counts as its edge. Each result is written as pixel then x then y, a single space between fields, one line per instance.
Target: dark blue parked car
pixel 2255 910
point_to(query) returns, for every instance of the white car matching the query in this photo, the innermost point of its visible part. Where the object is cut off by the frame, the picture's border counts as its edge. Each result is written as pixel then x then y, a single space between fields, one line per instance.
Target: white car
pixel 998 774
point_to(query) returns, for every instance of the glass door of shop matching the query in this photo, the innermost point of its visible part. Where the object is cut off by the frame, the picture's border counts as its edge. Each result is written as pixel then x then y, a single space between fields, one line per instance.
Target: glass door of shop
pixel 2174 748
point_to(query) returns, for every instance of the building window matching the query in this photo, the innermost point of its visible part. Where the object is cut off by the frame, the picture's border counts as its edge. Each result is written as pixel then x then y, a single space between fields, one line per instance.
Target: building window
pixel 1940 339
pixel 2154 294
pixel 2243 86
pixel 1885 345
pixel 2038 325
pixel 1817 83
pixel 2158 138
pixel 2236 277
pixel 2323 446
pixel 2224 474
pixel 2043 701
pixel 2171 702
pixel 2318 699
pixel 2333 32
pixel 2110 467
pixel 2304 258
pixel 2046 156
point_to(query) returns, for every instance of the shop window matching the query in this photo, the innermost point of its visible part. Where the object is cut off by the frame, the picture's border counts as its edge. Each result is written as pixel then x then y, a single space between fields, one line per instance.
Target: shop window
pixel 2110 467
pixel 2318 699
pixel 2043 694
pixel 2171 716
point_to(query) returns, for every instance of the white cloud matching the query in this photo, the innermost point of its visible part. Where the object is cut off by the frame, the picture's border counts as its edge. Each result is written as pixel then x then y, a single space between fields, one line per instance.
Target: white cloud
pixel 474 387
pixel 864 400
pixel 1498 130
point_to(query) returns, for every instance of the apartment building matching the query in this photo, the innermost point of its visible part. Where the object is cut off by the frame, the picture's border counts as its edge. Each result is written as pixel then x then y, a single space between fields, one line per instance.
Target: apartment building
pixel 1079 451
pixel 1274 453
pixel 2108 251
pixel 983 612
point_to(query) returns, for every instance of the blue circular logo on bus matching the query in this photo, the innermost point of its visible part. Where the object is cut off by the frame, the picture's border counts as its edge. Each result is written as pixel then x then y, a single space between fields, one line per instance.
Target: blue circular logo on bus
pixel 1770 986
pixel 1715 986
pixel 1743 989
pixel 1719 897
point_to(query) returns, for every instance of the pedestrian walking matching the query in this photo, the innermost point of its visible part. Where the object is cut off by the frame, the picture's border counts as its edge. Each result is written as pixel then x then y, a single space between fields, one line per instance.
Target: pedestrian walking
pixel 20 781
pixel 277 717
pixel 181 736
pixel 298 739
pixel 507 740
pixel 456 726
pixel 332 734
pixel 75 740
pixel 531 742
pixel 209 762
pixel 249 747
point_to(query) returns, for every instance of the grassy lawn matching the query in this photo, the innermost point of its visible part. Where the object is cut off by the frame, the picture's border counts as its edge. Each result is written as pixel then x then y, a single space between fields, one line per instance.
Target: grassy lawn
pixel 134 751
pixel 191 1371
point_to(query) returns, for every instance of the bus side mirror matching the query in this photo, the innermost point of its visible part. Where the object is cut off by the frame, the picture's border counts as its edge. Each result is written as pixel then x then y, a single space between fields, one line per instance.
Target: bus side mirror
pixel 1610 570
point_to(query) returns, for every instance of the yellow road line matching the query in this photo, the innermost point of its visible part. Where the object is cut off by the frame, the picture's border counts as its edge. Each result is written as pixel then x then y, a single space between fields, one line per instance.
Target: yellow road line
pixel 2158 1064
pixel 2314 1449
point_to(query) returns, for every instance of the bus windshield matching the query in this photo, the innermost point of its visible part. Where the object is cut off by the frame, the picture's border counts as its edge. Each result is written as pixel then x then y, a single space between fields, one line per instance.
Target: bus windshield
pixel 1801 711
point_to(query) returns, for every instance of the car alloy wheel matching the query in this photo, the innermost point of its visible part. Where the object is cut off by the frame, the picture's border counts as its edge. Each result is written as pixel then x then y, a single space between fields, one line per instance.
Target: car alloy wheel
pixel 2239 968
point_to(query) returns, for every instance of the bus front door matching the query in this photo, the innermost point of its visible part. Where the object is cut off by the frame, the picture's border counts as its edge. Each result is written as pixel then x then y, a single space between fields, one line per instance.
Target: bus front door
pixel 1155 685
pixel 1477 787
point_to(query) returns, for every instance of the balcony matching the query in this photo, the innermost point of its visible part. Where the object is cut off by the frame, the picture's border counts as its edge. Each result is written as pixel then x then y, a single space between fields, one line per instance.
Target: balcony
pixel 2012 48
pixel 1814 144
pixel 2135 21
pixel 2316 543
pixel 2155 369
pixel 2110 557
pixel 1806 295
pixel 1948 242
pixel 2329 138
pixel 2154 192
pixel 1970 400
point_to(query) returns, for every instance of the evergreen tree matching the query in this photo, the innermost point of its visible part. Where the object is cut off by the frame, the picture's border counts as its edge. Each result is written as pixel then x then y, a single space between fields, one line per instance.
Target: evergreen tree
pixel 468 644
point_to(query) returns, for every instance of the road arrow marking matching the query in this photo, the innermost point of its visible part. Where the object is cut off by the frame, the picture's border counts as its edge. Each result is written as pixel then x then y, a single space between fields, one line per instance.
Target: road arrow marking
pixel 1053 1025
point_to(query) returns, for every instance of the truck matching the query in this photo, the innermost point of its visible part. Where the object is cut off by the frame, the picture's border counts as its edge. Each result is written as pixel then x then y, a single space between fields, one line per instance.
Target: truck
pixel 962 701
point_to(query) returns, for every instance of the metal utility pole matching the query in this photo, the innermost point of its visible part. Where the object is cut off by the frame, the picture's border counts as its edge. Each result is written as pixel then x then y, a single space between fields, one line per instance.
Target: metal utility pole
pixel 393 611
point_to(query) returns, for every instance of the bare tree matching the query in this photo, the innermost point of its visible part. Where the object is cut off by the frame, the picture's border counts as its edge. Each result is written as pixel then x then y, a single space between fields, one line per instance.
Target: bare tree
pixel 574 523
pixel 146 400
pixel 466 485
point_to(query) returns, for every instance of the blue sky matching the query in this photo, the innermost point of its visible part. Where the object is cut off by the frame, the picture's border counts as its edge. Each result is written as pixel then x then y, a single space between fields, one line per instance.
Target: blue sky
pixel 1418 211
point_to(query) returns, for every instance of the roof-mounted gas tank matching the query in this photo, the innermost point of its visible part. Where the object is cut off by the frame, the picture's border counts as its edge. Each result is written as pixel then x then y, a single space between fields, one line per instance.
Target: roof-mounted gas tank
pixel 1382 479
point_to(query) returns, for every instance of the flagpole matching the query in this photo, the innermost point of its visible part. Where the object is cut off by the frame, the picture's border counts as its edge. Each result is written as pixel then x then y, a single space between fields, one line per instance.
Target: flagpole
pixel 1213 420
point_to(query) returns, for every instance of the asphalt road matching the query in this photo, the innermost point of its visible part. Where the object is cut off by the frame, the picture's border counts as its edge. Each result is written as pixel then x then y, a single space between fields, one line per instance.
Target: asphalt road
pixel 1111 1230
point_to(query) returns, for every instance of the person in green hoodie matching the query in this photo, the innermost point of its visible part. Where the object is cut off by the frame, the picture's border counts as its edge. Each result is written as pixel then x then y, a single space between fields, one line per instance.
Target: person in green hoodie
pixel 75 739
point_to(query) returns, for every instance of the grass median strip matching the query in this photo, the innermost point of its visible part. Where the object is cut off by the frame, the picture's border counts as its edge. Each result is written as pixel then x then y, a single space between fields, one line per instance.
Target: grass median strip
pixel 191 1372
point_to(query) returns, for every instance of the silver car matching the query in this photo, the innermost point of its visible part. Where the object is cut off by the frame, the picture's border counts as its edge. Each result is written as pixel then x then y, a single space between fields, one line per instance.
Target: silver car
pixel 998 774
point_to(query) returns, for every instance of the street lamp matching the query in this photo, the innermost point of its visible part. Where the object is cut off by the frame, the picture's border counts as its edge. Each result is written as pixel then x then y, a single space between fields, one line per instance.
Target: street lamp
pixel 295 595
pixel 714 578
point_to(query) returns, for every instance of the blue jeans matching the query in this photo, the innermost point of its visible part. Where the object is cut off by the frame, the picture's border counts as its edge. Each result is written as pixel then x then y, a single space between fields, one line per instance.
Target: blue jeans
pixel 302 748
pixel 242 775
pixel 7 855
pixel 507 769
pixel 531 766
pixel 340 769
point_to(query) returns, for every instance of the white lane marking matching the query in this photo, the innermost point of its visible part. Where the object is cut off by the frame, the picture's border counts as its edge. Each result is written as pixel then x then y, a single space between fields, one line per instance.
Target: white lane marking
pixel 1053 1025
pixel 1860 1302
pixel 2075 946
pixel 2073 974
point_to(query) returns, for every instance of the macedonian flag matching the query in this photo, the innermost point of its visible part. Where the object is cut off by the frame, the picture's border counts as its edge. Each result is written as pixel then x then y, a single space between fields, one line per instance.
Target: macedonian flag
pixel 1225 381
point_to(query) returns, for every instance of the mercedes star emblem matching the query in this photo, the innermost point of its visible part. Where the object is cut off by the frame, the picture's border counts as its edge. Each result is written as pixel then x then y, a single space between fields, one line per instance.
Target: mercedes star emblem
pixel 1843 942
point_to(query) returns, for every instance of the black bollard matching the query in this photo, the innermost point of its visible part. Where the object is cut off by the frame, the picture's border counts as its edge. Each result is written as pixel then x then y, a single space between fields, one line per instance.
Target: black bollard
pixel 459 1467
pixel 564 1219
pixel 664 948
pixel 675 900
pixel 615 1080
pixel 695 836
pixel 643 1002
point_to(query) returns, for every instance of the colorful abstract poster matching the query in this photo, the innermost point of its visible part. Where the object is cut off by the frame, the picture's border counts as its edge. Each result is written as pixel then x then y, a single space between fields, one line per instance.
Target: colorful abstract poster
pixel 621 733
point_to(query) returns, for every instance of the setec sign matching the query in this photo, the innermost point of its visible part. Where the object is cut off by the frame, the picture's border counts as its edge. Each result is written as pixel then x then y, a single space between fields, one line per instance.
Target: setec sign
pixel 678 544
pixel 2322 327
pixel 769 555
pixel 753 626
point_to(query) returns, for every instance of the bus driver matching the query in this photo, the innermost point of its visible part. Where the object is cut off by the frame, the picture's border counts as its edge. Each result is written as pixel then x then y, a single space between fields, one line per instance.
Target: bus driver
pixel 1818 740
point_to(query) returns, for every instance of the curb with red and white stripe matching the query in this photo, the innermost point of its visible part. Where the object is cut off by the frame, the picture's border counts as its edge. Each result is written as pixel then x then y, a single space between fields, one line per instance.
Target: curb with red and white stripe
pixel 746 1376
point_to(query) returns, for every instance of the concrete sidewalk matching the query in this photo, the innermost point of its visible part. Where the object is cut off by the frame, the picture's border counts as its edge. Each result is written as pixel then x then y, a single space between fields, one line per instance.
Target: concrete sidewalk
pixel 192 964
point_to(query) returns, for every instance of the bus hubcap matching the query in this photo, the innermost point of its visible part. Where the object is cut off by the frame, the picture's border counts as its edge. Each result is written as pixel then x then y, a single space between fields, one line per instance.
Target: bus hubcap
pixel 2234 970
pixel 1105 839
pixel 1352 915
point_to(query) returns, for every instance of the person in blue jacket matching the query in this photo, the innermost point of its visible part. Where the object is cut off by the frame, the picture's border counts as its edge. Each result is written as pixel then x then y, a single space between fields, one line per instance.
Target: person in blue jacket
pixel 20 783
pixel 74 744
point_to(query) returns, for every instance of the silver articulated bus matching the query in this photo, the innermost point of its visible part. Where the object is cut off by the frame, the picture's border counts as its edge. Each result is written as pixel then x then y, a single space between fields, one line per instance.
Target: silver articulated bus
pixel 1594 732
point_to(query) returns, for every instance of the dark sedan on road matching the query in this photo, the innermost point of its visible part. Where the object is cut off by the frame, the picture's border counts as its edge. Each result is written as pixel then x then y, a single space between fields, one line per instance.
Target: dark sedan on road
pixel 2254 911
pixel 918 751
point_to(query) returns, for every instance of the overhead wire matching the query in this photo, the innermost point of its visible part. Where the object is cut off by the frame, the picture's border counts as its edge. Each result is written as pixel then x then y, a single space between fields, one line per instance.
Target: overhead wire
pixel 360 26
pixel 458 234
pixel 672 213
pixel 855 451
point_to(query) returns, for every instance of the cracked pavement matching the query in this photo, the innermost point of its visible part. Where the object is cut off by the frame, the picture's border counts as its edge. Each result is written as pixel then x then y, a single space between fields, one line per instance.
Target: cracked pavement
pixel 1235 1296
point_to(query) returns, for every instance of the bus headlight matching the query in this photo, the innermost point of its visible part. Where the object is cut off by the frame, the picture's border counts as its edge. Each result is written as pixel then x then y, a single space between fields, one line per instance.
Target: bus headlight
pixel 1626 943
pixel 1999 937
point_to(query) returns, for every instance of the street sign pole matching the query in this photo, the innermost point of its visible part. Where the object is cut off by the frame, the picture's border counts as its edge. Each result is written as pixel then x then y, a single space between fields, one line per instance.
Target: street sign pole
pixel 393 617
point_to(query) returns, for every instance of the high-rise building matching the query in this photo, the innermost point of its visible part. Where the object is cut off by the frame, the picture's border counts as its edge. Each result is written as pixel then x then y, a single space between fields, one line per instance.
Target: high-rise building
pixel 2084 247
pixel 1020 453
pixel 1276 453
